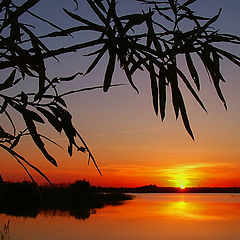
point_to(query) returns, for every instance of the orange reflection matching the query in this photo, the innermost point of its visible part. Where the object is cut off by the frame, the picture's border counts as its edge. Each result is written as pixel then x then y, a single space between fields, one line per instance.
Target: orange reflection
pixel 192 207
pixel 149 216
pixel 190 210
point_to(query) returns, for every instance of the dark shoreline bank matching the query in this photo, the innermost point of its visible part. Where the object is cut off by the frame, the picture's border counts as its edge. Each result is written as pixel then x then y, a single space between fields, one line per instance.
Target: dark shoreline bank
pixel 79 200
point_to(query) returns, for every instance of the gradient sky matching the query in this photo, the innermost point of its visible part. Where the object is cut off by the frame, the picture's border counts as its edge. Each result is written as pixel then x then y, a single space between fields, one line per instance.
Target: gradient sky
pixel 132 146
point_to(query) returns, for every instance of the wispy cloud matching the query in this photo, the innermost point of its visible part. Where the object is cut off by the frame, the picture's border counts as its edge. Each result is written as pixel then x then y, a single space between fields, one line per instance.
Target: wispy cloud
pixel 128 131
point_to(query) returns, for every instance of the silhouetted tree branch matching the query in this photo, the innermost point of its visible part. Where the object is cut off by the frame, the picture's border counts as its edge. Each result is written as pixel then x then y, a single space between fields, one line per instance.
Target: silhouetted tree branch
pixel 156 50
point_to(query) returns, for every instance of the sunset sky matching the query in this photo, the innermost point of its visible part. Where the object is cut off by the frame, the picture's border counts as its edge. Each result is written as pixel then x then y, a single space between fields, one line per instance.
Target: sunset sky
pixel 132 146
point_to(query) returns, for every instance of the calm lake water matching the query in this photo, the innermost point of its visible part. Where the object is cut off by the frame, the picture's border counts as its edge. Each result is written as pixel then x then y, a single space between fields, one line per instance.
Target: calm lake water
pixel 148 217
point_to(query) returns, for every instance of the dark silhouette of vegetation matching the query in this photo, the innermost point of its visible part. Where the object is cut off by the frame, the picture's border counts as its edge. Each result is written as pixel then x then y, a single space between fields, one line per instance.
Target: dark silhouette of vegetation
pixel 155 189
pixel 23 53
pixel 78 199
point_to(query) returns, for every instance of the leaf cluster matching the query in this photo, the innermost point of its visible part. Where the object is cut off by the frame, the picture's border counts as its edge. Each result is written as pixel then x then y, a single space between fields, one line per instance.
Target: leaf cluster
pixel 155 51
pixel 22 54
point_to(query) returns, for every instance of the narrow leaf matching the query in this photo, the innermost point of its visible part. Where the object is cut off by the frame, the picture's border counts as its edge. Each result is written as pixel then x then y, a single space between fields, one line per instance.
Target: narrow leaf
pixel 129 76
pixel 184 115
pixel 164 15
pixel 52 119
pixel 36 137
pixel 192 70
pixel 33 115
pixel 100 5
pixel 188 85
pixel 172 78
pixel 96 60
pixel 9 81
pixel 60 100
pixel 233 58
pixel 162 92
pixel 89 152
pixel 219 92
pixel 152 35
pixel 70 150
pixel 138 19
pixel 187 3
pixel 215 76
pixel 135 65
pixel 85 21
pixel 97 11
pixel 154 87
pixel 109 70
pixel 17 157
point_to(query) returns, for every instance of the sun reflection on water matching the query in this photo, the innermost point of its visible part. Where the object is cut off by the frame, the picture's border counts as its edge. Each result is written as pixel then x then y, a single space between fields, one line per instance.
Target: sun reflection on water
pixel 189 210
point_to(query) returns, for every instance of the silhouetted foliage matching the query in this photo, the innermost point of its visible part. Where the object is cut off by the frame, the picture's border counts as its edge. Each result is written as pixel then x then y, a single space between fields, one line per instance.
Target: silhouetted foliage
pixel 156 50
pixel 81 185
pixel 79 199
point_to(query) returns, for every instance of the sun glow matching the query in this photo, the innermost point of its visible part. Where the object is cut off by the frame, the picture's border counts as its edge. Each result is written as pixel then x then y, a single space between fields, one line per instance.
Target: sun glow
pixel 180 181
pixel 182 176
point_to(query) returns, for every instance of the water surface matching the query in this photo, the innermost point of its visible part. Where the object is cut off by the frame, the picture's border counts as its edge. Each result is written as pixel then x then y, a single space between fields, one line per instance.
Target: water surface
pixel 149 216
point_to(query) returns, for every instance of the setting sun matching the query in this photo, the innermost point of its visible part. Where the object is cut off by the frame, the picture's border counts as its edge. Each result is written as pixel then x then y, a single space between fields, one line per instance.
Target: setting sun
pixel 179 176
pixel 181 183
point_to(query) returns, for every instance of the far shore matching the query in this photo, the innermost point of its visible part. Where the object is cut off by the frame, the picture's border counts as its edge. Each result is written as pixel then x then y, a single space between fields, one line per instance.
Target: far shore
pixel 156 189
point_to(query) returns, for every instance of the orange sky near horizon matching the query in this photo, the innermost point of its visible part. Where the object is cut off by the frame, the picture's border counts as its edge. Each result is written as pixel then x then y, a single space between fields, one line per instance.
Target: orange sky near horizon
pixel 131 145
